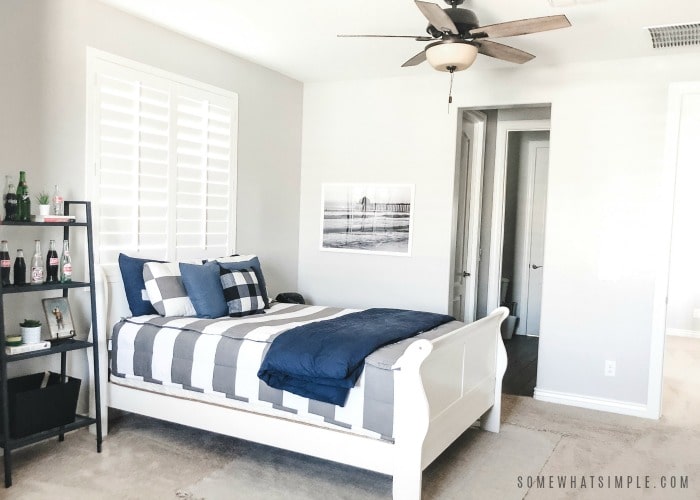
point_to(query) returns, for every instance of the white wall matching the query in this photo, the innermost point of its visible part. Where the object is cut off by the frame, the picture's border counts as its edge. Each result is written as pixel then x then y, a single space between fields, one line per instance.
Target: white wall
pixel 43 53
pixel 606 157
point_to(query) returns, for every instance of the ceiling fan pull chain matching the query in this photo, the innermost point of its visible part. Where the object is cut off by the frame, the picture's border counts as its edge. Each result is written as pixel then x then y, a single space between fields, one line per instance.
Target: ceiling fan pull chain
pixel 451 69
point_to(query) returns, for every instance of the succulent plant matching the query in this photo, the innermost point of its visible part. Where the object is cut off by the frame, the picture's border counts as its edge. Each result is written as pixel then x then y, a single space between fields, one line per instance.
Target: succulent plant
pixel 43 198
pixel 30 323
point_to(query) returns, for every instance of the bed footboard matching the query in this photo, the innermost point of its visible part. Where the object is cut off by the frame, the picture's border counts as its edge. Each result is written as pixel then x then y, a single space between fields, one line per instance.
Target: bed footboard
pixel 444 387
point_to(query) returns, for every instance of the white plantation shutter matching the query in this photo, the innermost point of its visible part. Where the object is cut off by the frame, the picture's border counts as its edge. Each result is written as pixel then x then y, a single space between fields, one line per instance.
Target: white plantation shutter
pixel 203 193
pixel 164 158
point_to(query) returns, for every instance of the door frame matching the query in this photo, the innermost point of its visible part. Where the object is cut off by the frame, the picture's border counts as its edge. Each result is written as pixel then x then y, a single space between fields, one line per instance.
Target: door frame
pixel 503 129
pixel 470 171
pixel 666 204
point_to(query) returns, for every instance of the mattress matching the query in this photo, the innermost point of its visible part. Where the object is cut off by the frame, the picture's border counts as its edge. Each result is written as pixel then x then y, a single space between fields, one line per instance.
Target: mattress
pixel 217 361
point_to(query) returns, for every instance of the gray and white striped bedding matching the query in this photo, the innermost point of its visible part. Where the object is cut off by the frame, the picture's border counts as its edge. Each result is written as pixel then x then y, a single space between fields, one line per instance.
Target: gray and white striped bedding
pixel 221 357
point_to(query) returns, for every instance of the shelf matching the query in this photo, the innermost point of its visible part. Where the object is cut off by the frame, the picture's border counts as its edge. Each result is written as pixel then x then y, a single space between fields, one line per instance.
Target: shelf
pixel 80 421
pixel 60 346
pixel 43 288
pixel 42 224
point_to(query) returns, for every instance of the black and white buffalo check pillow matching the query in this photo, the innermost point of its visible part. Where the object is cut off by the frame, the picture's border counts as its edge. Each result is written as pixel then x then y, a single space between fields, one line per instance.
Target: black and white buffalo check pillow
pixel 241 292
pixel 165 289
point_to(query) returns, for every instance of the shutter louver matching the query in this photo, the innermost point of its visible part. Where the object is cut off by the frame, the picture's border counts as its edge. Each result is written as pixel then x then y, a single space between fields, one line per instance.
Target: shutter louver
pixel 133 157
pixel 203 192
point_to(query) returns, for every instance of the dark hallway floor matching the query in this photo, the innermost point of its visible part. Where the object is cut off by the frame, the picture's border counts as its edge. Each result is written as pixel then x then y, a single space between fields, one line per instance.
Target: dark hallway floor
pixel 521 374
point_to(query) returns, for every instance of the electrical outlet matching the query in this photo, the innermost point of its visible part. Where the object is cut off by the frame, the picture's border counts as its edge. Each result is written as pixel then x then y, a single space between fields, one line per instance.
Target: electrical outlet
pixel 609 368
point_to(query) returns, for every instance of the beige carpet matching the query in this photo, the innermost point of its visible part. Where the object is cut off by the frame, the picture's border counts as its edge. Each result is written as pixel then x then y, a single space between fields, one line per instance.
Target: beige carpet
pixel 144 458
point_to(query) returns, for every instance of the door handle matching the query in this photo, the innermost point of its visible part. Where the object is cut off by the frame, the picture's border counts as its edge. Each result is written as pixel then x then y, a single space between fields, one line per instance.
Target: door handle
pixel 535 266
pixel 465 274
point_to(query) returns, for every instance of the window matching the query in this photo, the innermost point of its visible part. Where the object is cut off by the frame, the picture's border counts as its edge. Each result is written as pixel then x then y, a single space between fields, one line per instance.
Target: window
pixel 161 162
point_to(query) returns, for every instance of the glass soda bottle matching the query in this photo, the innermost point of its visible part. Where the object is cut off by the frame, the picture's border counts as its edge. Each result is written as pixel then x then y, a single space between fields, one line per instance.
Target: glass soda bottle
pixel 52 263
pixel 20 268
pixel 56 202
pixel 66 264
pixel 4 263
pixel 10 200
pixel 24 204
pixel 37 274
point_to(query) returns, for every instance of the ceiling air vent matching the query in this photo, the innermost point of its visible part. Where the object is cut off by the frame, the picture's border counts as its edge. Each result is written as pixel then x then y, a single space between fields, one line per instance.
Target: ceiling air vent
pixel 675 35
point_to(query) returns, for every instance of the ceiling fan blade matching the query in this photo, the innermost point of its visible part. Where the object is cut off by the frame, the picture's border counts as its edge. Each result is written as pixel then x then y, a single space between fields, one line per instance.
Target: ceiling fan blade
pixel 503 52
pixel 521 27
pixel 419 38
pixel 437 17
pixel 415 60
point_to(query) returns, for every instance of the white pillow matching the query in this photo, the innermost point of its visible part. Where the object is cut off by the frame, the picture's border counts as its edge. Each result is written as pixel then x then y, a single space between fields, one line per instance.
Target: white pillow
pixel 165 289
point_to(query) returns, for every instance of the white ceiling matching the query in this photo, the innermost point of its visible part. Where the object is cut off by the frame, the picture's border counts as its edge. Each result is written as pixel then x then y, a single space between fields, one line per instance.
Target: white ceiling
pixel 298 37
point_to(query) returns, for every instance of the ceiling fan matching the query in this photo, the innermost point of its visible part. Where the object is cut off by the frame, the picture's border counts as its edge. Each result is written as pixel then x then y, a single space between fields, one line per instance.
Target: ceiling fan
pixel 457 37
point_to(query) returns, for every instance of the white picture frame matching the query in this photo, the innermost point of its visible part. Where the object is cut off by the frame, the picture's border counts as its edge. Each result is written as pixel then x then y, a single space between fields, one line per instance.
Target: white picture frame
pixel 367 218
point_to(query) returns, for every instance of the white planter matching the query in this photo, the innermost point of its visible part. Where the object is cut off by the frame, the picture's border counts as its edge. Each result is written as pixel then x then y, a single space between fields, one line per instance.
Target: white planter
pixel 31 335
pixel 44 209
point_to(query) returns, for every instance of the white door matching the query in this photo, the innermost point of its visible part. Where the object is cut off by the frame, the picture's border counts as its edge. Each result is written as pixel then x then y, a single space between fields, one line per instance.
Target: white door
pixel 538 157
pixel 468 206
pixel 495 250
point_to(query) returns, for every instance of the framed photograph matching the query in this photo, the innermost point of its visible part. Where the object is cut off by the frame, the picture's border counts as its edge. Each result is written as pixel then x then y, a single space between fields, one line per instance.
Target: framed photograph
pixel 58 318
pixel 367 218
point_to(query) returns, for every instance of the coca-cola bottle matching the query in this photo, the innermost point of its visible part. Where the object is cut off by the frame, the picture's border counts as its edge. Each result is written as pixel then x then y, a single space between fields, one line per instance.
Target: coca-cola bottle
pixel 37 275
pixel 52 263
pixel 10 200
pixel 66 264
pixel 4 263
pixel 20 268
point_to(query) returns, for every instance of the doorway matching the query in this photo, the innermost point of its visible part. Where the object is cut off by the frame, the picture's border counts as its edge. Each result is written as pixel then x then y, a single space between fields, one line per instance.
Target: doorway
pixel 522 262
pixel 500 228
pixel 680 352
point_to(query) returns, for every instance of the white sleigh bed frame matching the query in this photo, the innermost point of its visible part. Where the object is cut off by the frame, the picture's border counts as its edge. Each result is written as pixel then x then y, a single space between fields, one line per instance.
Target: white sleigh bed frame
pixel 443 387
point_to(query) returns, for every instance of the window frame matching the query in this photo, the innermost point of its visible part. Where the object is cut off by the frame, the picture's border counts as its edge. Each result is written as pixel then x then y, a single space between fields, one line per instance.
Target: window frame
pixel 100 62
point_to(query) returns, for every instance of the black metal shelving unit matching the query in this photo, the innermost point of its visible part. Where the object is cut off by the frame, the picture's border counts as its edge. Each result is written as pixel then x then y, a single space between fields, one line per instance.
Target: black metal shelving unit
pixel 62 347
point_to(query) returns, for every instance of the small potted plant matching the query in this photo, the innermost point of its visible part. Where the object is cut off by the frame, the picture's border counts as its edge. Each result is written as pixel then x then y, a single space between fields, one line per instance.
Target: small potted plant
pixel 43 200
pixel 31 331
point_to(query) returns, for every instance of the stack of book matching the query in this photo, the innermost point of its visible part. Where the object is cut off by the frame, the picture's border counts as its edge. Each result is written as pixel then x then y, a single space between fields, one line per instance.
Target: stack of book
pixel 54 218
pixel 22 348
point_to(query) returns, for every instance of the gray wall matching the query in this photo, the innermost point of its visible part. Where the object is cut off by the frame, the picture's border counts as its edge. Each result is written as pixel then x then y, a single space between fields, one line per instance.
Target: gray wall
pixel 43 54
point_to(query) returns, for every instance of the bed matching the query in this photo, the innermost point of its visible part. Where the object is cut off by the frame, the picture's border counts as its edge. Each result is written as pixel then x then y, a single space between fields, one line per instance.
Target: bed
pixel 442 385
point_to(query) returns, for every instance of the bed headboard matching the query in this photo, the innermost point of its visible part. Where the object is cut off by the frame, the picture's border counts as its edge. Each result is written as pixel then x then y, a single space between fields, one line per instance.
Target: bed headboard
pixel 111 298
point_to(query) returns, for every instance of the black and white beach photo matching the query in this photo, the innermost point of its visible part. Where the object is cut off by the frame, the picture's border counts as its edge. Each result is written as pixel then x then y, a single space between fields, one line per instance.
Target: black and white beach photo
pixel 374 218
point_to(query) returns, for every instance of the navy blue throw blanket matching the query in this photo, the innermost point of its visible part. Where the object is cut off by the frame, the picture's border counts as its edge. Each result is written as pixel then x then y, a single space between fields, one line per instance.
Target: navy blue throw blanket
pixel 324 359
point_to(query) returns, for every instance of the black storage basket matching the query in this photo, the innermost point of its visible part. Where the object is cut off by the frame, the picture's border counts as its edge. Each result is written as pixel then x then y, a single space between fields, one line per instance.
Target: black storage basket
pixel 33 409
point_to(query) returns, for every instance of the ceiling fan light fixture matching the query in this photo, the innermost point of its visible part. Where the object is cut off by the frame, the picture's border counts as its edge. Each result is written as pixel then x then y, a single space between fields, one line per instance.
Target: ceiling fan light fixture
pixel 451 56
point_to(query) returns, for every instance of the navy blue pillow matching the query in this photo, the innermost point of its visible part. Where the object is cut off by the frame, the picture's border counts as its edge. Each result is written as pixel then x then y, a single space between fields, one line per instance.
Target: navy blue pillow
pixel 204 289
pixel 248 263
pixel 134 286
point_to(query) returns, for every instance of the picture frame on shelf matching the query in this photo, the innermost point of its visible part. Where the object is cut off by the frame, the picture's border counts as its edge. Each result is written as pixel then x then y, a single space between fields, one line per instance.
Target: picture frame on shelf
pixel 58 318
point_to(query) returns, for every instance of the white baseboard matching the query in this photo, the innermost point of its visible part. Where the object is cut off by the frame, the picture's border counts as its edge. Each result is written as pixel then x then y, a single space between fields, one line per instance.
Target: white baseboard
pixel 600 404
pixel 677 332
